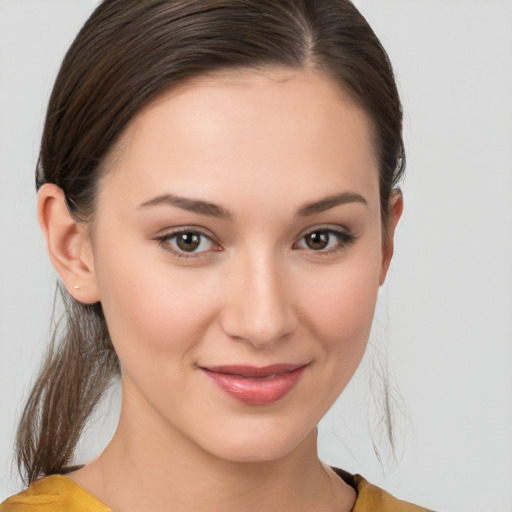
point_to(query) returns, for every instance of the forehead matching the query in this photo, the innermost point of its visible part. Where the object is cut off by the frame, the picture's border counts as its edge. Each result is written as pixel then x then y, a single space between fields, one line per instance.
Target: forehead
pixel 241 132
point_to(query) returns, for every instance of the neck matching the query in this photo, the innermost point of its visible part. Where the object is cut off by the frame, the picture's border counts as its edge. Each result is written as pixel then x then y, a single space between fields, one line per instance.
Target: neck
pixel 148 466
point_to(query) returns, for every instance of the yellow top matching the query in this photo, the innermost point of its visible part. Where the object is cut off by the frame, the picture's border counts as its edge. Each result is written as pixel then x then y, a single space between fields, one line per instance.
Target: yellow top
pixel 57 493
pixel 54 493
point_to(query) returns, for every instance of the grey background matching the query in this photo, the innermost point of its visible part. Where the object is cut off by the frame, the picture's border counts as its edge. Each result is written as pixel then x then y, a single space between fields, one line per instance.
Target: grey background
pixel 444 316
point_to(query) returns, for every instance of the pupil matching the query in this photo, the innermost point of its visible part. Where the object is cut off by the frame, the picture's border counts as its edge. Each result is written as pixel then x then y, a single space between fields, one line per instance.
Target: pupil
pixel 188 241
pixel 317 240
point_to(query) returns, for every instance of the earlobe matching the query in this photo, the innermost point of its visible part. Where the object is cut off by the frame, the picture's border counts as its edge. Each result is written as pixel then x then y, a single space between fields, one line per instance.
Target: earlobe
pixel 395 212
pixel 68 244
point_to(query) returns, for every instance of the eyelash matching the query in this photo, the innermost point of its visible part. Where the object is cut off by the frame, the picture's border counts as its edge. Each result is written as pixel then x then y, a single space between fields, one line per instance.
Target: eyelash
pixel 164 240
pixel 344 239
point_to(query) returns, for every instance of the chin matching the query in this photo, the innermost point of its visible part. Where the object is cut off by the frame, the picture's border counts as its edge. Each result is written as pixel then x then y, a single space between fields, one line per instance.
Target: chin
pixel 253 444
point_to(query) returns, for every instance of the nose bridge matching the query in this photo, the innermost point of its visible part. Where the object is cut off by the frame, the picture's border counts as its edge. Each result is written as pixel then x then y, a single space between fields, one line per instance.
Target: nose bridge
pixel 259 308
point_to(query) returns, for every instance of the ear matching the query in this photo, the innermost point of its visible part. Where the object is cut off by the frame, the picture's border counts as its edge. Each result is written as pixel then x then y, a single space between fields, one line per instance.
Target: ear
pixel 68 244
pixel 396 207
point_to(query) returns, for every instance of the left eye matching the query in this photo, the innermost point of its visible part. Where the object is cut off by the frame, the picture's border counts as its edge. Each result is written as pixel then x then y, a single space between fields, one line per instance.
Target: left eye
pixel 324 240
pixel 188 242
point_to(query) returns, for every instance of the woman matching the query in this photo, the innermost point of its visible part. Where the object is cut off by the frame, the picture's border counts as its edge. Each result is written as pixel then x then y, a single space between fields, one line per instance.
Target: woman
pixel 218 190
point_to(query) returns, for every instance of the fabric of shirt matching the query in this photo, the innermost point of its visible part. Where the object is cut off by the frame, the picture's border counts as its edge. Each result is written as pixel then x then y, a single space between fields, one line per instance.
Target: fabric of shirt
pixel 57 493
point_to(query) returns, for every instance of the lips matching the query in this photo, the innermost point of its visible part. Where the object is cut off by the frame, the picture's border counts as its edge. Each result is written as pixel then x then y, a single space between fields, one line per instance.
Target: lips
pixel 256 386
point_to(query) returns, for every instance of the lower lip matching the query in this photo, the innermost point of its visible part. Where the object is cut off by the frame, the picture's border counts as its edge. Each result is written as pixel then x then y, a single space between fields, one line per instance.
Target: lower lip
pixel 256 391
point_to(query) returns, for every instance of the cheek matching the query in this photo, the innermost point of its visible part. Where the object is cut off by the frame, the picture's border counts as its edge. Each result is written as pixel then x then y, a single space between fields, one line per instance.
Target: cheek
pixel 151 308
pixel 341 305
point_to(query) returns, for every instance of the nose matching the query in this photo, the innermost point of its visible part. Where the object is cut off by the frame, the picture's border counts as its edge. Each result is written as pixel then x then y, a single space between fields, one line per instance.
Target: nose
pixel 258 308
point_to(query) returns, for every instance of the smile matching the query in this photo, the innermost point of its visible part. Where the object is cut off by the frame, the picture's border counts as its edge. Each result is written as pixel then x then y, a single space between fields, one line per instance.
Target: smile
pixel 256 386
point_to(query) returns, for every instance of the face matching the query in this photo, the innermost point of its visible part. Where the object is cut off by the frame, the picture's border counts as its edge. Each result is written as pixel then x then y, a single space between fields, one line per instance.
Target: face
pixel 237 253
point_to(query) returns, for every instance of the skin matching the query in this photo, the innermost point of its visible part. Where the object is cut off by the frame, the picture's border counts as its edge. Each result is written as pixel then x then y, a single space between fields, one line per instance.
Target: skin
pixel 260 145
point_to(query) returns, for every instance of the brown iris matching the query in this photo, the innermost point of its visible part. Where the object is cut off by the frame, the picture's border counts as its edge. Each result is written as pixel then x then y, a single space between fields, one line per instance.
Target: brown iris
pixel 188 241
pixel 317 240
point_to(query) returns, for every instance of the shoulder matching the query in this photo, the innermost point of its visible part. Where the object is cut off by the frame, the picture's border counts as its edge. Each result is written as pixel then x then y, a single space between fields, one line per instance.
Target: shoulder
pixel 371 498
pixel 58 493
pixel 55 493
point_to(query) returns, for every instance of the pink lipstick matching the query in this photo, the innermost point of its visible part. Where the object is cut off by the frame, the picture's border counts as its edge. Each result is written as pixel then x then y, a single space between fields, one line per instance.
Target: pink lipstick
pixel 256 386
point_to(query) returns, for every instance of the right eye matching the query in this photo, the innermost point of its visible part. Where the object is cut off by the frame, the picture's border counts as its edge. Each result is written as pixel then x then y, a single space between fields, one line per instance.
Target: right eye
pixel 187 243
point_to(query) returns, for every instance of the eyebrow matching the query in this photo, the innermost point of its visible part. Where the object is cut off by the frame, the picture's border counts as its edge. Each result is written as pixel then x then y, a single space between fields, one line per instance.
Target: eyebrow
pixel 214 210
pixel 191 205
pixel 330 202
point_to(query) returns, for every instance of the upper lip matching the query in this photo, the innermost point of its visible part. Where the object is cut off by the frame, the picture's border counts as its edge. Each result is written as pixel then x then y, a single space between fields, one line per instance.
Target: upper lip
pixel 255 371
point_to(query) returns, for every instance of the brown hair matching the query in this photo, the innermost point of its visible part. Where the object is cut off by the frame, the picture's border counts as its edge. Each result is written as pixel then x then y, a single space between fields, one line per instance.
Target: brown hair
pixel 127 53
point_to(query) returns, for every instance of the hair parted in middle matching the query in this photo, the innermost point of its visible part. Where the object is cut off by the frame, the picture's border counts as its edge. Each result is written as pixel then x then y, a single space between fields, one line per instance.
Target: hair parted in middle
pixel 128 53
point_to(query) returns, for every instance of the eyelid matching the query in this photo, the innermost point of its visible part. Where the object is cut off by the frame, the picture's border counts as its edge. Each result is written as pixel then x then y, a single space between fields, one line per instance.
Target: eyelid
pixel 169 232
pixel 334 228
pixel 345 238
pixel 163 239
pixel 344 235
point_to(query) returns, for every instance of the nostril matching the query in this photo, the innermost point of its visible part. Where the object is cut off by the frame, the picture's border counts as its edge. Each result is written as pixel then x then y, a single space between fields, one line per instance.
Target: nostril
pixel 259 333
pixel 259 306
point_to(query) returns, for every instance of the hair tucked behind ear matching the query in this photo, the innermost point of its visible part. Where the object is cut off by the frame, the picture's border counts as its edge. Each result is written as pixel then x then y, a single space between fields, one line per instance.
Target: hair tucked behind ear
pixel 76 371
pixel 127 53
